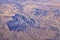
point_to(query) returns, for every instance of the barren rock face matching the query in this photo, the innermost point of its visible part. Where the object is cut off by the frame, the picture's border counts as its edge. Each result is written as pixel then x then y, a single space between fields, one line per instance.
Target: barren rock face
pixel 29 20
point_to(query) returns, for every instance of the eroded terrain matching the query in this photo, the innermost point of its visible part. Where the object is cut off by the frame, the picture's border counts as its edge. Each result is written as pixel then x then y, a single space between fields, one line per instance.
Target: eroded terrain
pixel 29 20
